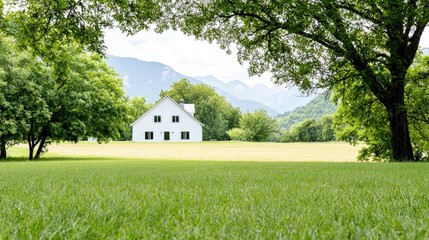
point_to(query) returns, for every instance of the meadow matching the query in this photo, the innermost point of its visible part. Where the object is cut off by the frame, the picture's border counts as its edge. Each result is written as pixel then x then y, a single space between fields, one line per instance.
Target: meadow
pixel 68 195
pixel 213 151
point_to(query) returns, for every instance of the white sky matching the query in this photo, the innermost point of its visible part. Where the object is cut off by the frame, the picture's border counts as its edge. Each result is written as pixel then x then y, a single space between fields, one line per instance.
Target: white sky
pixel 187 55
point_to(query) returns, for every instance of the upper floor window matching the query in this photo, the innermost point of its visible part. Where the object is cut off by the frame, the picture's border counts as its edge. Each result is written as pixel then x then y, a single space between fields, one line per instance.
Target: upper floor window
pixel 157 118
pixel 175 119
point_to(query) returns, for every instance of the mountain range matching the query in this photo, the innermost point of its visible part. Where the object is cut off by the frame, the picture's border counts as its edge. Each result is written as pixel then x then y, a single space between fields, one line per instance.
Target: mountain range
pixel 147 79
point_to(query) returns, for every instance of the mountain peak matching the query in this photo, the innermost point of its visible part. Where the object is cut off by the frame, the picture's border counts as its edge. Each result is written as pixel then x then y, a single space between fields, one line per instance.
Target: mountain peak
pixel 147 79
pixel 237 83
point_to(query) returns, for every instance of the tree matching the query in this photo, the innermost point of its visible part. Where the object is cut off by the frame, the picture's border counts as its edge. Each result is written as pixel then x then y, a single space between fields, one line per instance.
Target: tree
pixel 136 107
pixel 327 128
pixel 417 98
pixel 311 130
pixel 238 134
pixel 217 115
pixel 360 117
pixel 86 100
pixel 320 44
pixel 308 131
pixel 66 99
pixel 24 86
pixel 255 127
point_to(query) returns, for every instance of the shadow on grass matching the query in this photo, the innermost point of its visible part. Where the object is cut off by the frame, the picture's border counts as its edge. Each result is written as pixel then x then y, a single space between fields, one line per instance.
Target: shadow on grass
pixel 14 159
pixel 51 159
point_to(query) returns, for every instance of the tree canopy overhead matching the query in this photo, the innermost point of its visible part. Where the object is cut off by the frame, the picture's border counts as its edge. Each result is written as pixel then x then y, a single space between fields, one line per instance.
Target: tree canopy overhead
pixel 39 23
pixel 320 44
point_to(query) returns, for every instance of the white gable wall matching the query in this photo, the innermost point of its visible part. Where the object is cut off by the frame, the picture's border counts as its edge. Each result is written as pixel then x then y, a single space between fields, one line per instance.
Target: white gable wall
pixel 167 109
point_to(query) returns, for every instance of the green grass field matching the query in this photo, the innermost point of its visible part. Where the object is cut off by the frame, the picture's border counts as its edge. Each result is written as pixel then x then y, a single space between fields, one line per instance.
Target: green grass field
pixel 96 197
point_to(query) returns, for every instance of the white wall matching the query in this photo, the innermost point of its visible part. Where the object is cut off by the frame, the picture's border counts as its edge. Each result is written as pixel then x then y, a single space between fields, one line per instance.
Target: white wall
pixel 166 109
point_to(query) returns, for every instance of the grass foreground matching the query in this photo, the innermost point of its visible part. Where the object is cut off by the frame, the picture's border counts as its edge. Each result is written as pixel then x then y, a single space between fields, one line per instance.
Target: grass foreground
pixel 165 199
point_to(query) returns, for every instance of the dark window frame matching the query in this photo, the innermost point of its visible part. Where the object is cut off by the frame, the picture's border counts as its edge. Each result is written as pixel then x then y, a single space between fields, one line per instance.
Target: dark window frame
pixel 148 135
pixel 175 118
pixel 186 135
pixel 157 118
pixel 167 136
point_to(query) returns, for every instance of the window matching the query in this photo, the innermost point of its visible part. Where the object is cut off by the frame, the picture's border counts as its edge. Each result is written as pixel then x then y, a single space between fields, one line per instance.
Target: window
pixel 148 135
pixel 157 118
pixel 166 136
pixel 176 119
pixel 185 135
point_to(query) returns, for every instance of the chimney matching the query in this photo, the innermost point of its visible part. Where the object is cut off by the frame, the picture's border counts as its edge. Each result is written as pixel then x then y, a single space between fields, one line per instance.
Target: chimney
pixel 182 103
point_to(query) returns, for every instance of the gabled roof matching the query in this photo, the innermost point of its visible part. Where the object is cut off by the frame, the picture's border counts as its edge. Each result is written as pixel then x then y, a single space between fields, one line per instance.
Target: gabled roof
pixel 162 100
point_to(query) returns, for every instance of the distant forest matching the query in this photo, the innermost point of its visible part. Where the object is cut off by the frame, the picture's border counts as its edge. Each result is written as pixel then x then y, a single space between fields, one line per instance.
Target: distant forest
pixel 317 108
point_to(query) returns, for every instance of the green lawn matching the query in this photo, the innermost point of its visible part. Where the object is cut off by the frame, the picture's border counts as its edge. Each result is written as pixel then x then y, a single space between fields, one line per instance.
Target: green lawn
pixel 129 198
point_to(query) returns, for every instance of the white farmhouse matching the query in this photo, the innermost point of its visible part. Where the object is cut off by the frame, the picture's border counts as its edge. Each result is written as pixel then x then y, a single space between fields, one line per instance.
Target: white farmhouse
pixel 168 121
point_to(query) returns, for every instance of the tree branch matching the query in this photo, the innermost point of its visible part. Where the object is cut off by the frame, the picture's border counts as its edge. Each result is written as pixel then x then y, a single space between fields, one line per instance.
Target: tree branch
pixel 413 42
pixel 362 13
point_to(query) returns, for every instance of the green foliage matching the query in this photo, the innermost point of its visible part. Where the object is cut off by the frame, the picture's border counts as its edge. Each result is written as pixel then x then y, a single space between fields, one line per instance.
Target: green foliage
pixel 361 117
pixel 311 130
pixel 238 134
pixel 315 109
pixel 234 116
pixel 327 128
pixel 99 199
pixel 45 24
pixel 417 97
pixel 217 115
pixel 136 107
pixel 88 98
pixel 307 131
pixel 255 127
pixel 64 97
pixel 24 89
pixel 68 94
pixel 320 44
pixel 258 126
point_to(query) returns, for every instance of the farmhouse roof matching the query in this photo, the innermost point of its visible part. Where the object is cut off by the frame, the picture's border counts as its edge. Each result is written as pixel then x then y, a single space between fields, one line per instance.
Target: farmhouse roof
pixel 191 107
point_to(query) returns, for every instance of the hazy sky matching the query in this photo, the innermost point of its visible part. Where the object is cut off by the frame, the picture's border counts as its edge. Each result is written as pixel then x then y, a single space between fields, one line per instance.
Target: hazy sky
pixel 186 55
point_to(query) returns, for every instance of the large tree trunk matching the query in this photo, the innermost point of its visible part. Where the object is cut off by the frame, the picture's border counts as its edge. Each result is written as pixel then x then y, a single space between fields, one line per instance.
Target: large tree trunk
pixel 39 142
pixel 400 136
pixel 31 143
pixel 2 149
pixel 41 145
pixel 30 151
pixel 399 132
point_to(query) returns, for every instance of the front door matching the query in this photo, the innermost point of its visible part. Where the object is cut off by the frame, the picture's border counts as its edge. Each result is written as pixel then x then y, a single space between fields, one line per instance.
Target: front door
pixel 166 136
